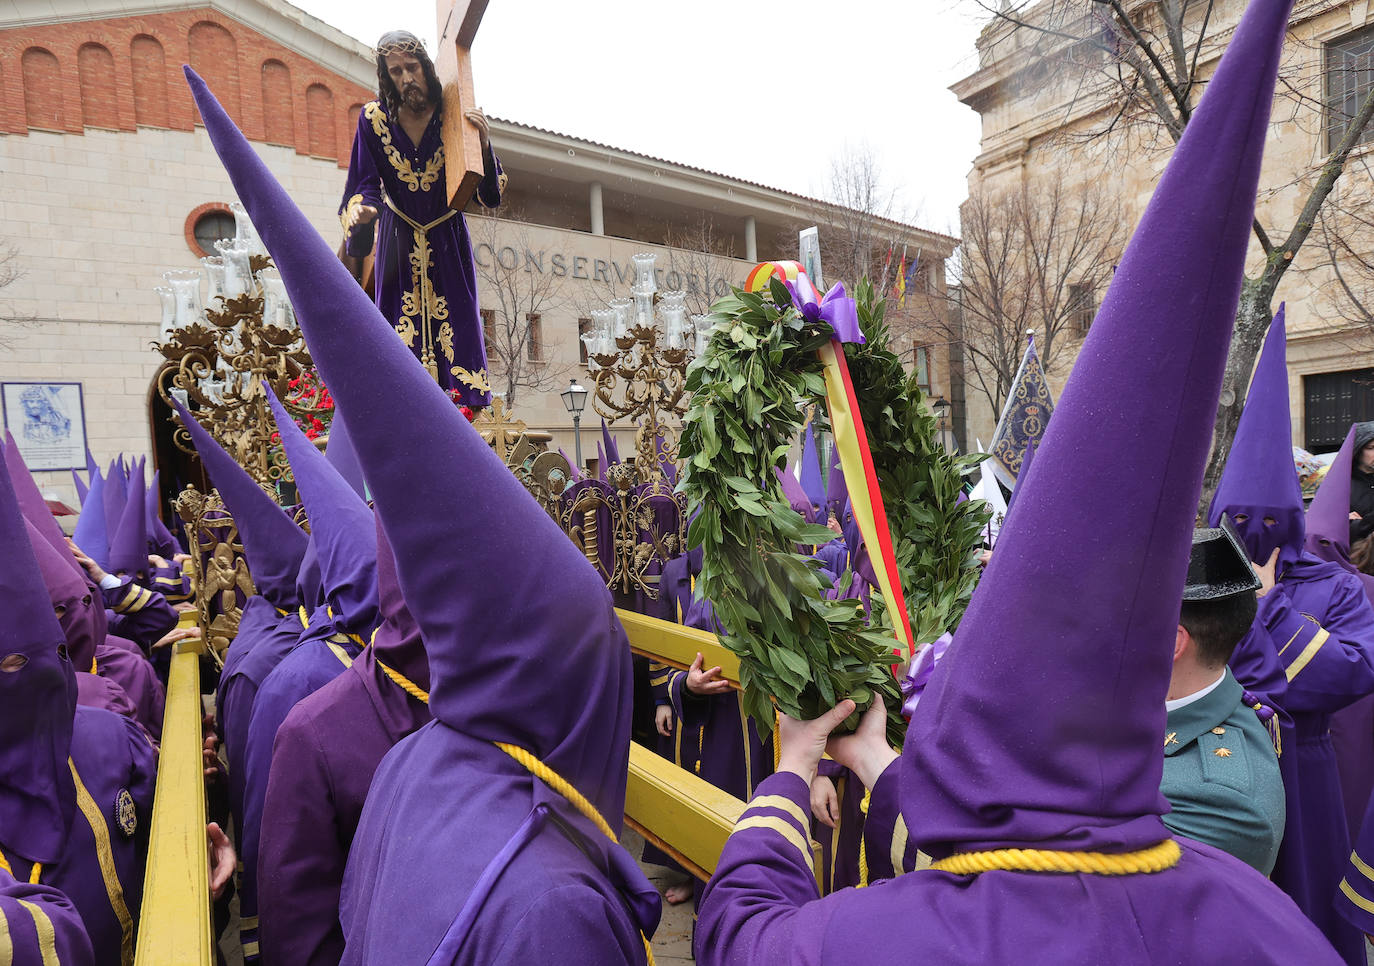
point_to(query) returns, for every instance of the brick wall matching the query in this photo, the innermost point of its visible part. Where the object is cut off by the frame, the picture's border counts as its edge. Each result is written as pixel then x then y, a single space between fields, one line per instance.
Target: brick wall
pixel 125 72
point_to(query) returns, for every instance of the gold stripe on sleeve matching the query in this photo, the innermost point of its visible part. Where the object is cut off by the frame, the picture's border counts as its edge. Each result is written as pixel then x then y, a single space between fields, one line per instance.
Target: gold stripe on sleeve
pixel 1356 898
pixel 47 935
pixel 899 839
pixel 781 802
pixel 784 828
pixel 1308 652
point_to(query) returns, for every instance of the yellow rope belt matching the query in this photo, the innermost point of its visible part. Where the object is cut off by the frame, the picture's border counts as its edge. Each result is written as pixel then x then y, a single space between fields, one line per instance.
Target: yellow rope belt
pixel 405 683
pixel 34 873
pixel 579 801
pixel 1156 858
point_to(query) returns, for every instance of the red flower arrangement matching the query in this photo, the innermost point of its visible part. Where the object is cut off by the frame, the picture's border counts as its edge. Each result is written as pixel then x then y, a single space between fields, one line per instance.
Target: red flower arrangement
pixel 308 391
pixel 468 412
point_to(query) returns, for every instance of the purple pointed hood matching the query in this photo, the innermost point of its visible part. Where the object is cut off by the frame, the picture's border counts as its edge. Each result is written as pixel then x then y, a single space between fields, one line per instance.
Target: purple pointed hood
pixel 113 497
pixel 1259 487
pixel 343 457
pixel 536 628
pixel 82 490
pixel 600 462
pixel 91 534
pixel 811 482
pixel 92 467
pixel 1042 725
pixel 836 488
pixel 796 496
pixel 341 528
pixel 31 502
pixel 1027 459
pixel 129 545
pixel 272 543
pixel 612 451
pixel 397 643
pixel 160 539
pixel 37 699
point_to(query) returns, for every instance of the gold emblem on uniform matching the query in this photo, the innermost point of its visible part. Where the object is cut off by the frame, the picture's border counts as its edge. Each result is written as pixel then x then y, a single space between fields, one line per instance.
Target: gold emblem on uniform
pixel 1222 752
pixel 1218 730
pixel 125 814
pixel 1171 739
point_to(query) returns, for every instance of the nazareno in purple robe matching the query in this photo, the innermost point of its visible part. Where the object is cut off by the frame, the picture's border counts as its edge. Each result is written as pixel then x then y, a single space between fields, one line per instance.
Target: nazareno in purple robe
pixel 1328 537
pixel 445 332
pixel 326 752
pixel 40 925
pixel 1320 627
pixel 488 863
pixel 712 737
pixel 343 531
pixel 1042 726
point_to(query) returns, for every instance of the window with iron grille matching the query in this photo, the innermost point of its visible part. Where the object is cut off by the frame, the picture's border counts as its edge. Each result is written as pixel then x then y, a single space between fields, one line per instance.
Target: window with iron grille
pixel 534 340
pixel 1349 80
pixel 1082 307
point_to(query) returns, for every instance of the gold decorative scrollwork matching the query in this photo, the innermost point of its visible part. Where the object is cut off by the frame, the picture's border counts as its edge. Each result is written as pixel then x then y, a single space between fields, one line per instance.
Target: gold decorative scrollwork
pixel 221 584
pixel 415 182
pixel 646 383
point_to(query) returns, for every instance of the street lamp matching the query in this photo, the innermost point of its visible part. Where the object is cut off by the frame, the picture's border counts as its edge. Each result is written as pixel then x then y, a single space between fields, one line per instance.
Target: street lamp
pixel 574 399
pixel 941 409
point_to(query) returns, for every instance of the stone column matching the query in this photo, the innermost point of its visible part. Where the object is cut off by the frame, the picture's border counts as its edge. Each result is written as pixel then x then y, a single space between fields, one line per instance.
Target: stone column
pixel 751 242
pixel 594 197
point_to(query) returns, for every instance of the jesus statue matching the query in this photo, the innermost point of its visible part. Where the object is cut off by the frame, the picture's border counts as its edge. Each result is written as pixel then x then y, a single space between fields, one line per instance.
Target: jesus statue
pixel 425 282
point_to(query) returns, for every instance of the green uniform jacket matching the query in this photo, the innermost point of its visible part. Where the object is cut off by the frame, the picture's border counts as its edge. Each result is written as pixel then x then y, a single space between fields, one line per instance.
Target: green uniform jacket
pixel 1221 777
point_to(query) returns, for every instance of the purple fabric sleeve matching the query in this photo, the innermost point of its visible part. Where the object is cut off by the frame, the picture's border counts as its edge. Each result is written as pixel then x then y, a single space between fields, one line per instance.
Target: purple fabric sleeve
pixel 363 179
pixel 1328 665
pixel 489 189
pixel 141 615
pixel 748 913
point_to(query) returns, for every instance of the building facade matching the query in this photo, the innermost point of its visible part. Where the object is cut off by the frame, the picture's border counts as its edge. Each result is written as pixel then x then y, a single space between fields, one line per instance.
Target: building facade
pixel 1052 115
pixel 109 183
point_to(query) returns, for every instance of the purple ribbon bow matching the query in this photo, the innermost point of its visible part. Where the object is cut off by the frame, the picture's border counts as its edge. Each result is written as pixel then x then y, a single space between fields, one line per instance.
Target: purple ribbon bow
pixel 837 309
pixel 922 669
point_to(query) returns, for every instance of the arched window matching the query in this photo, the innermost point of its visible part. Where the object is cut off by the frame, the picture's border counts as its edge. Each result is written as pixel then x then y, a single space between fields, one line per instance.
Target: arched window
pixel 42 90
pixel 214 56
pixel 319 116
pixel 95 73
pixel 150 81
pixel 277 108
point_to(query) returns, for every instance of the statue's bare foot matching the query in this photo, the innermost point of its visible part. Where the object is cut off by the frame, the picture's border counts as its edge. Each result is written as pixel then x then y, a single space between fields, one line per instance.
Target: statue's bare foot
pixel 678 893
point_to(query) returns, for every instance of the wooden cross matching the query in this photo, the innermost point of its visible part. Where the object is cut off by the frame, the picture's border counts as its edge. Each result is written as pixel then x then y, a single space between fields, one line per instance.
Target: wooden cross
pixel 458 22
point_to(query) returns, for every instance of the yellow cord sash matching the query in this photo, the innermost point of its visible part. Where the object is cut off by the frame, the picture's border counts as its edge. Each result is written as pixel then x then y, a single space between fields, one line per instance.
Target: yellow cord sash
pixel 34 873
pixel 1156 858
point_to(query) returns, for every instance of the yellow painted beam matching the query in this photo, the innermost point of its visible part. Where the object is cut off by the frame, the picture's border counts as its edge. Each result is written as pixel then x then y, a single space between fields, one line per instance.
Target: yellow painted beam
pixel 175 925
pixel 687 817
pixel 675 645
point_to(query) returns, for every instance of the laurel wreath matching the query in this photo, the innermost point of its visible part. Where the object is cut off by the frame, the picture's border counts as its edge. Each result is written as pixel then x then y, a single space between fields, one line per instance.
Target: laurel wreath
pixel 750 389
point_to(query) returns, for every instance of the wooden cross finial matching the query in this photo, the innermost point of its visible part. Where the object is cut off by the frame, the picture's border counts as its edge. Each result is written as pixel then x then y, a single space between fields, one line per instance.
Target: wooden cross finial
pixel 458 21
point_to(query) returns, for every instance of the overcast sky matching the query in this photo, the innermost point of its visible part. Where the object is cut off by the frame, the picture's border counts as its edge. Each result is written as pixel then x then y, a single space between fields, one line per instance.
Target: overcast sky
pixel 766 92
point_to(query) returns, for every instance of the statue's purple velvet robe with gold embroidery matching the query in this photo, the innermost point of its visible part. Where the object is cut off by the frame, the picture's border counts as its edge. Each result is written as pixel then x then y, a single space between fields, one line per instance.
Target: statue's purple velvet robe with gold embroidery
pixel 425 280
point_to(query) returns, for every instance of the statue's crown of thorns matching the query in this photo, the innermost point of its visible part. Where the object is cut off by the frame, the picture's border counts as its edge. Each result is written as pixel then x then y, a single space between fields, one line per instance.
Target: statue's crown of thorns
pixel 411 46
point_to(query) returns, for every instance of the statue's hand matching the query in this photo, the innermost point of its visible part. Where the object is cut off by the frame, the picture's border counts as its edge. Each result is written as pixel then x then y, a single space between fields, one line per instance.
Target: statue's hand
pixel 362 215
pixel 479 120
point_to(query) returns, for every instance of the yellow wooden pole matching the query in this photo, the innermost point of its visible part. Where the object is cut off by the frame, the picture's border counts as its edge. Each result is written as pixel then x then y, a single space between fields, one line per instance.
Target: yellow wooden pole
pixel 175 925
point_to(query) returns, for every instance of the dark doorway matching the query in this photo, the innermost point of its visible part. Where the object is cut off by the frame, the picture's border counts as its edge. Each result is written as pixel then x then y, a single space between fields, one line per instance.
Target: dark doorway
pixel 177 469
pixel 1332 401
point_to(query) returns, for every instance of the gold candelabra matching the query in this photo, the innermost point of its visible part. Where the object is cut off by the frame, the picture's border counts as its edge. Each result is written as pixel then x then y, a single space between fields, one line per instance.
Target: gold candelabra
pixel 634 376
pixel 220 359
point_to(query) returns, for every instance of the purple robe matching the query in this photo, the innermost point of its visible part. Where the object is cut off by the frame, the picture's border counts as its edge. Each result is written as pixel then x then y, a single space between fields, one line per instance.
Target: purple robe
pixel 121 661
pixel 320 657
pixel 559 884
pixel 762 906
pixel 446 333
pixel 94 691
pixel 326 752
pixel 40 925
pixel 111 756
pixel 1352 737
pixel 1355 895
pixel 172 583
pixel 265 636
pixel 1316 626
